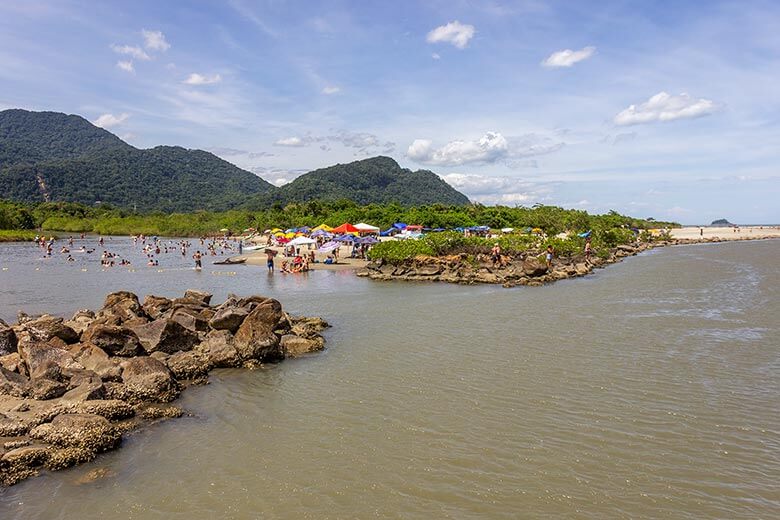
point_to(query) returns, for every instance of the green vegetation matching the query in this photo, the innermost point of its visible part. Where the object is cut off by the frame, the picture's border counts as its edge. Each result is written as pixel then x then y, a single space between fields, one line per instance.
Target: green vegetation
pixel 52 156
pixel 375 180
pixel 16 235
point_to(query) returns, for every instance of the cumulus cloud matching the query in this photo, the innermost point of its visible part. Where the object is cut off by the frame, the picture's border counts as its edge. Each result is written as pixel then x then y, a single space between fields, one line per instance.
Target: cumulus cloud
pixel 155 40
pixel 665 107
pixel 235 152
pixel 568 57
pixel 130 50
pixel 456 33
pixel 293 141
pixel 277 176
pixel 435 56
pixel 490 148
pixel 126 66
pixel 109 120
pixel 331 90
pixel 200 79
pixel 496 190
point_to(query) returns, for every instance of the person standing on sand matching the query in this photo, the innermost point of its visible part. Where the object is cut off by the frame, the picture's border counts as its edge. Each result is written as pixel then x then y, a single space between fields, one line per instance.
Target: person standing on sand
pixel 549 257
pixel 269 255
pixel 495 254
pixel 588 250
pixel 197 256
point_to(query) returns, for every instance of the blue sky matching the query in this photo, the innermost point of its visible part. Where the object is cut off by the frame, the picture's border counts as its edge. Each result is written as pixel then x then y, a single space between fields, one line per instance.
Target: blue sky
pixel 662 109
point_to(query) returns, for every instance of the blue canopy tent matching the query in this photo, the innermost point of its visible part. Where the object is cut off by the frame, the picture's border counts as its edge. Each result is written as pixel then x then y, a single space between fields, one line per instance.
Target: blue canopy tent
pixel 586 234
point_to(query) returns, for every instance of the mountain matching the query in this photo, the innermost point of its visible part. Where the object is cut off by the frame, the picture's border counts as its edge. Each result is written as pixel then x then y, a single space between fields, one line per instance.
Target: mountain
pixel 721 222
pixel 58 157
pixel 54 156
pixel 375 180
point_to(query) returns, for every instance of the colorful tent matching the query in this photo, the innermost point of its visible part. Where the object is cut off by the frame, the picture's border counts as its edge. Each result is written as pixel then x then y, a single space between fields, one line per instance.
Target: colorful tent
pixel 366 228
pixel 323 227
pixel 346 227
pixel 301 241
pixel 328 247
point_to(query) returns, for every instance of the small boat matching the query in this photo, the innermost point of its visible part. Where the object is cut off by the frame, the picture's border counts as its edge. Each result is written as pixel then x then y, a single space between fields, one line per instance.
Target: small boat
pixel 230 261
pixel 253 248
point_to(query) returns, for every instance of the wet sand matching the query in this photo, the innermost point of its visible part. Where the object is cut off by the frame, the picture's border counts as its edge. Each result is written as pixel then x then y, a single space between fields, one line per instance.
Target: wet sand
pixel 726 233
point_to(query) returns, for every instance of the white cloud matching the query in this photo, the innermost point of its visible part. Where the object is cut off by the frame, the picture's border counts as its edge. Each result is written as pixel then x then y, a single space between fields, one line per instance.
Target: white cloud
pixel 496 190
pixel 199 79
pixel 488 148
pixel 331 90
pixel 568 57
pixel 664 107
pixel 155 40
pixel 291 141
pixel 456 33
pixel 126 66
pixel 132 51
pixel 435 56
pixel 109 120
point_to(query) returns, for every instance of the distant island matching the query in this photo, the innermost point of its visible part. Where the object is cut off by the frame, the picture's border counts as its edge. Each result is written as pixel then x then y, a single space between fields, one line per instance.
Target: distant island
pixel 55 157
pixel 721 222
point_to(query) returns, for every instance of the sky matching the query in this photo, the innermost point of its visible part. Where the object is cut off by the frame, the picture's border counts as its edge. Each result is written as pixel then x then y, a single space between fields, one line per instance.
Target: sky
pixel 663 109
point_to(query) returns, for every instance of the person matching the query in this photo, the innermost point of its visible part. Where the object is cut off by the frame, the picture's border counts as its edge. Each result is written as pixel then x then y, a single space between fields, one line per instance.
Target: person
pixel 285 268
pixel 549 257
pixel 701 231
pixel 588 249
pixel 269 255
pixel 197 256
pixel 312 258
pixel 495 254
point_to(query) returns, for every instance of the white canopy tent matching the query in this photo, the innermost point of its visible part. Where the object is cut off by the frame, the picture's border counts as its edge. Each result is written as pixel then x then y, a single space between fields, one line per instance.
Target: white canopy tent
pixel 301 241
pixel 367 228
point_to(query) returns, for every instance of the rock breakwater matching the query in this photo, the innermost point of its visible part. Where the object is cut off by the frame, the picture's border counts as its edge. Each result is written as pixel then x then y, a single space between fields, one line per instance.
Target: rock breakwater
pixel 70 388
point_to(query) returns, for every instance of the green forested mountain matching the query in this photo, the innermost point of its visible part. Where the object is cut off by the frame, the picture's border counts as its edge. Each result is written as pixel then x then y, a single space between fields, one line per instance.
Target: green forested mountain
pixel 49 156
pixel 375 180
pixel 58 157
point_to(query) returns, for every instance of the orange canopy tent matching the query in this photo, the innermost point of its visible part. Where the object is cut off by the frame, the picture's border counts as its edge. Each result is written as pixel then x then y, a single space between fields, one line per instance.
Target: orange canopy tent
pixel 346 227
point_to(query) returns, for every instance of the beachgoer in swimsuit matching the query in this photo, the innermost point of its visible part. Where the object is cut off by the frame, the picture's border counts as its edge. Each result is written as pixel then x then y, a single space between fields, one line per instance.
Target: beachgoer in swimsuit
pixel 549 257
pixel 197 256
pixel 269 255
pixel 495 254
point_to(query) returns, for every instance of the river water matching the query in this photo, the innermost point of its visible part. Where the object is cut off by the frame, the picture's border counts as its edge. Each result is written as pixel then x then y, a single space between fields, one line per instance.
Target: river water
pixel 650 389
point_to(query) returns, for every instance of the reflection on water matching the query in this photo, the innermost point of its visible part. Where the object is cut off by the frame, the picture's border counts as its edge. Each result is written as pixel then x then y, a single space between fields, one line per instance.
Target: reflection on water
pixel 647 390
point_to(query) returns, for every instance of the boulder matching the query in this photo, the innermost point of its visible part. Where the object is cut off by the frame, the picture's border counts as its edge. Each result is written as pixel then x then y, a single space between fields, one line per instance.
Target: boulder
pixel 220 349
pixel 255 338
pixel 111 409
pixel 121 306
pixel 533 267
pixel 201 296
pixel 87 431
pixel 307 327
pixel 44 388
pixel 155 306
pixel 228 318
pixel 149 379
pixel 94 358
pixel 81 320
pixel 11 362
pixel 114 340
pixel 7 339
pixel 13 384
pixel 188 365
pixel 47 327
pixel 166 335
pixel 189 318
pixel 86 391
pixel 296 346
pixel 43 359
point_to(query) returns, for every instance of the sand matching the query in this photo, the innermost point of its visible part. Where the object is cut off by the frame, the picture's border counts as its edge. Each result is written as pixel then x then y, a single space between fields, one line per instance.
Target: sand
pixel 259 258
pixel 727 233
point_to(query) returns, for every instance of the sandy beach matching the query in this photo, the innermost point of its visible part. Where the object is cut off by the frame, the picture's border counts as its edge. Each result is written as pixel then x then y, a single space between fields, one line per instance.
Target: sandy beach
pixel 726 233
pixel 258 257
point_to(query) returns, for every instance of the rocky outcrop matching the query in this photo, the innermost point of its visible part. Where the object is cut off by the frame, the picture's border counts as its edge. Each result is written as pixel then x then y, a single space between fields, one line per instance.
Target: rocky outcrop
pixel 68 389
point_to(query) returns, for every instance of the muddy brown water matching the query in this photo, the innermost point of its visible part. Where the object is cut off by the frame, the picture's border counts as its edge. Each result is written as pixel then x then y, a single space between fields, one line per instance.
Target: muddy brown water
pixel 650 389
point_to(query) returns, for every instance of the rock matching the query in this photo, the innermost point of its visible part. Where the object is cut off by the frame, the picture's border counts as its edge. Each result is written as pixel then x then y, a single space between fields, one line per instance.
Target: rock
pixel 188 365
pixel 47 327
pixel 189 318
pixel 149 379
pixel 581 269
pixel 81 320
pixel 255 338
pixel 43 388
pixel 166 335
pixel 155 306
pixel 95 359
pixel 7 339
pixel 220 349
pixel 201 296
pixel 295 346
pixel 111 409
pixel 307 327
pixel 113 339
pixel 20 463
pixel 533 267
pixel 121 306
pixel 44 360
pixel 87 431
pixel 228 318
pixel 86 391
pixel 13 384
pixel 151 413
pixel 11 362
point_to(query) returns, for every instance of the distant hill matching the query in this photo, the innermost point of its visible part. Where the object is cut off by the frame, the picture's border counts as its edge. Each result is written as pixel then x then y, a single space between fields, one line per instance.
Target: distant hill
pixel 721 222
pixel 59 157
pixel 49 156
pixel 375 180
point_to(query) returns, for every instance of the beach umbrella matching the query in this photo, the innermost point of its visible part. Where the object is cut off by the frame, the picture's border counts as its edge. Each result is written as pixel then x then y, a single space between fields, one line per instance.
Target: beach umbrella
pixel 323 227
pixel 346 227
pixel 368 240
pixel 327 247
pixel 346 238
pixel 302 241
